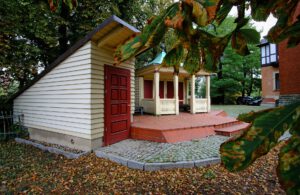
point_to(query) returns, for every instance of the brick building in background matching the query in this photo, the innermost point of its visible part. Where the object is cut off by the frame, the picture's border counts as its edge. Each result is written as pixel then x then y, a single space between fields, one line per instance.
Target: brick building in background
pixel 280 71
pixel 269 72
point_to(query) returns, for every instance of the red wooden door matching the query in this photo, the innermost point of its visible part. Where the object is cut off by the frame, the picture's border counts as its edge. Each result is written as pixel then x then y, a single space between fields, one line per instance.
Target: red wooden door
pixel 117 105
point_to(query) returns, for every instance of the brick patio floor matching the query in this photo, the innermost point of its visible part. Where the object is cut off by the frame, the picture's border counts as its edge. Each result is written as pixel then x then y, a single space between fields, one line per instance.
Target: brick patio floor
pixel 184 127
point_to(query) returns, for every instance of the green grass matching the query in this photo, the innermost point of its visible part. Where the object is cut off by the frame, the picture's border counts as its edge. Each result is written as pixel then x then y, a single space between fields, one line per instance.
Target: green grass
pixel 235 110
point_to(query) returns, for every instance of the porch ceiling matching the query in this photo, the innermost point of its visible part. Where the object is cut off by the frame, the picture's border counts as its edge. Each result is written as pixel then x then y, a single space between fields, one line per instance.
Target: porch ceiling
pixel 113 34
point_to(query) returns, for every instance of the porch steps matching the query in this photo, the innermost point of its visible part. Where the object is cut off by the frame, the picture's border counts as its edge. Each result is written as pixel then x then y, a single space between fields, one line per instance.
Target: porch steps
pixel 184 127
pixel 219 113
pixel 232 130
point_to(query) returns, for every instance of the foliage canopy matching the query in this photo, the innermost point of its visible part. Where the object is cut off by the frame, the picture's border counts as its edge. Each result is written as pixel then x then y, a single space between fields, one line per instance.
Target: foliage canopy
pixel 199 49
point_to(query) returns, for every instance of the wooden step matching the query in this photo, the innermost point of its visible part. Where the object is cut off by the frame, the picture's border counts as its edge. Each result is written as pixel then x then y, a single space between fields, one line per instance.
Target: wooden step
pixel 232 130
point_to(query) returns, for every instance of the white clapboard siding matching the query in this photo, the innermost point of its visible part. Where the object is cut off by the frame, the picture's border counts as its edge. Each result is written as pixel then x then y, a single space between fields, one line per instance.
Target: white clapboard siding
pixel 61 100
pixel 70 98
pixel 67 115
pixel 101 57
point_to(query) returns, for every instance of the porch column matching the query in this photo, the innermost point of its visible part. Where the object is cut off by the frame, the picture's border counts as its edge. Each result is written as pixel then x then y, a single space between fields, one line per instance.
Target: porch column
pixel 176 97
pixel 156 93
pixel 141 90
pixel 193 98
pixel 208 92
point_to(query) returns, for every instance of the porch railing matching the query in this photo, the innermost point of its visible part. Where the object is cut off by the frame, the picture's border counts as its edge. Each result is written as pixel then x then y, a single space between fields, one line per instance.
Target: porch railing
pixel 148 105
pixel 201 105
pixel 167 106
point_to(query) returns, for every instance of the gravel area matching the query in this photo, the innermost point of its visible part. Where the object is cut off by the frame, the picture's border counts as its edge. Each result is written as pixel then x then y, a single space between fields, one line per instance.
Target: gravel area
pixel 152 152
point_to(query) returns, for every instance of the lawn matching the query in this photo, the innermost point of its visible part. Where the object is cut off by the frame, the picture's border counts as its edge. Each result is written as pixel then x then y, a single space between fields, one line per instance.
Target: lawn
pixel 235 110
pixel 29 170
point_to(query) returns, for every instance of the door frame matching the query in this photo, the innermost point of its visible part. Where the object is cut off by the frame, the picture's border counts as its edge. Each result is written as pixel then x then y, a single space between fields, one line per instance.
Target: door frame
pixel 106 138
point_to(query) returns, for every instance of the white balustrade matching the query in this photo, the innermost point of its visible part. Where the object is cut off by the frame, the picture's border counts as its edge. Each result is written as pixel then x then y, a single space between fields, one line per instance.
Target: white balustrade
pixel 148 105
pixel 201 105
pixel 167 106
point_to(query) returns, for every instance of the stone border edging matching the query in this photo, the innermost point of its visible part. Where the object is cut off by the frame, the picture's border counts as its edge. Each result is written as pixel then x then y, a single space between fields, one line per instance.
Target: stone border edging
pixel 156 166
pixel 69 155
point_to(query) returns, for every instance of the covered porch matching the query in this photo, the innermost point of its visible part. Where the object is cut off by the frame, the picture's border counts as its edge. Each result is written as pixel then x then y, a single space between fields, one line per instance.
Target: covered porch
pixel 161 92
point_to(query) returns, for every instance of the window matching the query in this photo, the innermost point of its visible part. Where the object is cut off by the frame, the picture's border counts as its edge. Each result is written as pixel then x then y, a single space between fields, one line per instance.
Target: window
pixel 268 54
pixel 276 81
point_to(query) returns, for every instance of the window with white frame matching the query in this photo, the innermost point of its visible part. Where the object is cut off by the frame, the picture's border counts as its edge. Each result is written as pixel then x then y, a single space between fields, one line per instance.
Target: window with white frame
pixel 268 54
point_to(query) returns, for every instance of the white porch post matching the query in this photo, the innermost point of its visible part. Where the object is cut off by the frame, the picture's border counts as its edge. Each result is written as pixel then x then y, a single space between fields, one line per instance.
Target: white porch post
pixel 176 97
pixel 141 90
pixel 156 93
pixel 208 92
pixel 193 98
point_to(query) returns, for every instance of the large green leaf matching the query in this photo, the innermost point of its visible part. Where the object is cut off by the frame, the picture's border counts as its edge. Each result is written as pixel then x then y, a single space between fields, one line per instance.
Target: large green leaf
pixel 284 13
pixel 150 37
pixel 239 153
pixel 251 35
pixel 261 9
pixel 223 12
pixel 289 165
pixel 251 116
pixel 192 61
pixel 174 57
pixel 239 44
pixel 128 49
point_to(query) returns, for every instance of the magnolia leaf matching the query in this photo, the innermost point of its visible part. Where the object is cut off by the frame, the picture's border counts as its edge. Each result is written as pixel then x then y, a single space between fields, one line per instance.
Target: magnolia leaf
pixel 293 32
pixel 223 12
pixel 192 61
pixel 251 116
pixel 199 13
pixel 150 37
pixel 285 14
pixel 209 62
pixel 128 49
pixel 240 152
pixel 174 57
pixel 239 44
pixel 289 165
pixel 260 10
pixel 251 35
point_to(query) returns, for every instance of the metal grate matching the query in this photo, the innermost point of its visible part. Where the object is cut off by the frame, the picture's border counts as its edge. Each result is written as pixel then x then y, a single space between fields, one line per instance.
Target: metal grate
pixel 11 125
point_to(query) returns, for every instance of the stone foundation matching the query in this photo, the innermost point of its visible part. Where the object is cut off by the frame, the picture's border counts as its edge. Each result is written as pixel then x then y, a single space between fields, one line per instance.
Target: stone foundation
pixel 64 140
pixel 288 99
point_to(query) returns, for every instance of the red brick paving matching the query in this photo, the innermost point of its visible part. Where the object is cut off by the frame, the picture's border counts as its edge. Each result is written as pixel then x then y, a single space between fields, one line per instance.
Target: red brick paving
pixel 182 127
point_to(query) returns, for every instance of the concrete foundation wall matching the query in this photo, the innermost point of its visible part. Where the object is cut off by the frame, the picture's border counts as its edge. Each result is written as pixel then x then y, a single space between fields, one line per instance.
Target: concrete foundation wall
pixel 288 99
pixel 64 139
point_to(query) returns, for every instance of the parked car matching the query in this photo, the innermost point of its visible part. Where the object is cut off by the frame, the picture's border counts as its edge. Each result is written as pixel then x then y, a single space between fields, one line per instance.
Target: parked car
pixel 256 101
pixel 243 100
pixel 248 100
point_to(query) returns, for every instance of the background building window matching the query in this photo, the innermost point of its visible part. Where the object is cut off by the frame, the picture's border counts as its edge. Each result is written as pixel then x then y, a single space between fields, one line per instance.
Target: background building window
pixel 268 53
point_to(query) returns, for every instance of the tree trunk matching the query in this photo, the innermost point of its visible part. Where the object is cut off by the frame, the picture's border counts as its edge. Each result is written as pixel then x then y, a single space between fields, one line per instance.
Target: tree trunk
pixel 251 84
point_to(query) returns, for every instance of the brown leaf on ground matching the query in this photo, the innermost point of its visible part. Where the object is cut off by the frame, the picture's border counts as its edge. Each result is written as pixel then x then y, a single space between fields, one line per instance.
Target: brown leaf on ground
pixel 28 170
